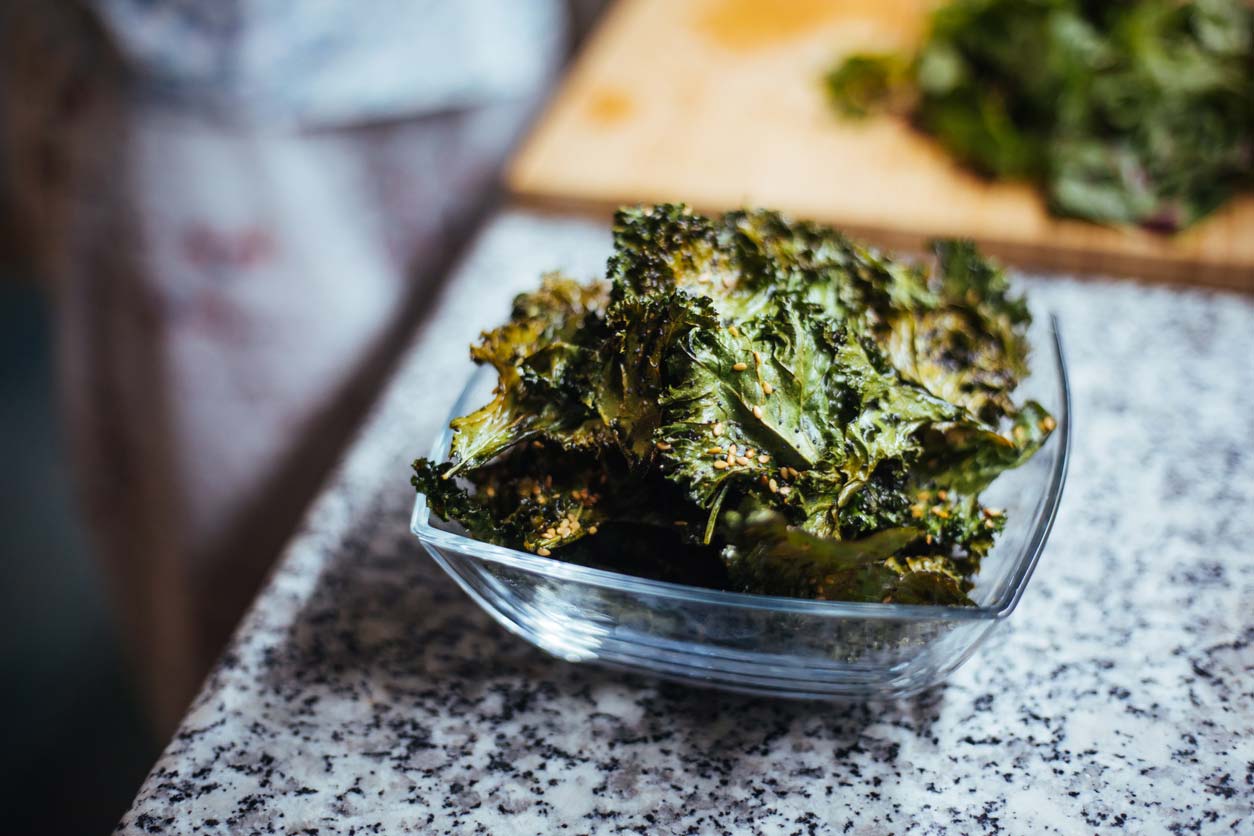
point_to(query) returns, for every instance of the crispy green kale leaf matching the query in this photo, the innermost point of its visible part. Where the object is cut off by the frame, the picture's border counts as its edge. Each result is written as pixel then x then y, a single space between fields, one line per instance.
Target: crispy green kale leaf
pixel 783 560
pixel 1138 112
pixel 969 347
pixel 539 364
pixel 793 412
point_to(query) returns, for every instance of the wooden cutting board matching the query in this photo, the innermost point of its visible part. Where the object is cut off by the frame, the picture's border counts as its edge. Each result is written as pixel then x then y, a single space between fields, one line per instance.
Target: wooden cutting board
pixel 720 104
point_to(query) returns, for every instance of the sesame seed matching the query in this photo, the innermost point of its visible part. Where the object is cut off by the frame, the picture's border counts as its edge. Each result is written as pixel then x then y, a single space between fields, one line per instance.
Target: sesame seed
pixel 1048 423
pixel 548 534
pixel 543 552
pixel 767 388
pixel 681 523
pixel 929 539
pixel 744 460
pixel 942 495
pixel 940 511
pixel 539 445
pixel 917 511
pixel 731 448
pixel 542 500
pixel 784 490
pixel 757 358
pixel 731 329
pixel 1018 433
pixel 731 457
pixel 751 452
pixel 720 465
pixel 740 367
pixel 662 445
pixel 716 451
pixel 763 458
pixel 490 491
pixel 774 486
pixel 592 529
pixel 757 412
pixel 718 428
pixel 992 512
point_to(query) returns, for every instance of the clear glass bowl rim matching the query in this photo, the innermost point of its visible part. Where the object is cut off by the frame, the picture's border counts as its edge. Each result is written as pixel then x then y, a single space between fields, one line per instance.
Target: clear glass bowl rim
pixel 1001 607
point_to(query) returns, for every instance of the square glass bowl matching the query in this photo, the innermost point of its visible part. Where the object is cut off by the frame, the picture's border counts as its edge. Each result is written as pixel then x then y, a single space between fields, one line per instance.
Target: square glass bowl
pixel 759 644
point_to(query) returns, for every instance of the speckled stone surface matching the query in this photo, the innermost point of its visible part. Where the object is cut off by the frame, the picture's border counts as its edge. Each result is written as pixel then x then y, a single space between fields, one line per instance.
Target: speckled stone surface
pixel 365 693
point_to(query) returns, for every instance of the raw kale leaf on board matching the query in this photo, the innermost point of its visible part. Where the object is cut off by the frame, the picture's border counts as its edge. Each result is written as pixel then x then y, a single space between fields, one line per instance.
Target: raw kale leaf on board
pixel 1138 112
pixel 769 406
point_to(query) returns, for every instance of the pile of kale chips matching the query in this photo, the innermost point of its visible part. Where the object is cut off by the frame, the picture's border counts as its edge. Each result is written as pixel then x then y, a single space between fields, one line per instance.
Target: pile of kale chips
pixel 1125 111
pixel 751 404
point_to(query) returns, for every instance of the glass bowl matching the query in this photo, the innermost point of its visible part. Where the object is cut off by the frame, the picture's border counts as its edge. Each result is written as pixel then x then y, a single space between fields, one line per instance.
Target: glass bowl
pixel 759 644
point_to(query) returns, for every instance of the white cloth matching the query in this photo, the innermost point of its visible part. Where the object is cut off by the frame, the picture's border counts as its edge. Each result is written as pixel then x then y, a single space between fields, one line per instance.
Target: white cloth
pixel 338 61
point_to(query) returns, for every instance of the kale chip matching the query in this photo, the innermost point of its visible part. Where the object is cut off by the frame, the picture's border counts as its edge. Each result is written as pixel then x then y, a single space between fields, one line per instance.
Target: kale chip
pixel 751 404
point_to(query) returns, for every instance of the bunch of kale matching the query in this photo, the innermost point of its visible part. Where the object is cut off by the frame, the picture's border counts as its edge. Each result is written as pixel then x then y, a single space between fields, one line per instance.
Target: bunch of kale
pixel 751 404
pixel 1131 112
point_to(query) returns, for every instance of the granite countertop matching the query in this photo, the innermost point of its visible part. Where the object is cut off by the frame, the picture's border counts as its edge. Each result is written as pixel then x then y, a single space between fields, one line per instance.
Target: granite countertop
pixel 364 693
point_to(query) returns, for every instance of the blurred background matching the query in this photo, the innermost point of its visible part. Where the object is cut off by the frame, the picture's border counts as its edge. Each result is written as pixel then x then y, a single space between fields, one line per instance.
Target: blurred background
pixel 218 222
pixel 77 742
